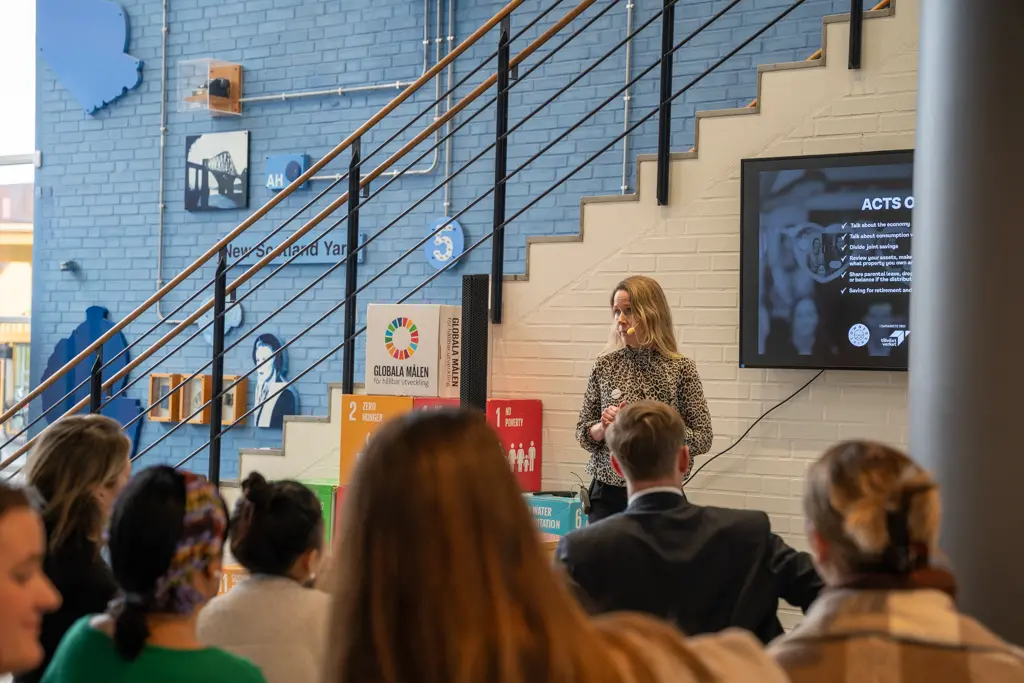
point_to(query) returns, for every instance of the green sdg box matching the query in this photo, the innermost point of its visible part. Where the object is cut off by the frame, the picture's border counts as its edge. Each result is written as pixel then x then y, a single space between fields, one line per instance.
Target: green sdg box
pixel 327 492
pixel 556 513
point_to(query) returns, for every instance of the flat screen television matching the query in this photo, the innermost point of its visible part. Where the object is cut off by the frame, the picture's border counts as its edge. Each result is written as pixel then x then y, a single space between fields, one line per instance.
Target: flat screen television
pixel 825 261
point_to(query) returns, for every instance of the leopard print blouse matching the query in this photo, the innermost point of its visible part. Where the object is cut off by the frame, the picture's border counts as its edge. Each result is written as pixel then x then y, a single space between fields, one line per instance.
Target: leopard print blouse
pixel 636 375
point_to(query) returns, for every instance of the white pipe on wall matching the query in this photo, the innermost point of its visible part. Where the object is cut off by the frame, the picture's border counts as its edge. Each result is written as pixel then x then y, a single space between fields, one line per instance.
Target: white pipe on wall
pixel 161 206
pixel 447 108
pixel 626 97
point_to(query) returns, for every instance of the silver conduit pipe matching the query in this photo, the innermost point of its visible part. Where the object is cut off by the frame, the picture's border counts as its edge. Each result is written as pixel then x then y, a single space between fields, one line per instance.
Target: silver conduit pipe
pixel 625 99
pixel 161 208
pixel 447 106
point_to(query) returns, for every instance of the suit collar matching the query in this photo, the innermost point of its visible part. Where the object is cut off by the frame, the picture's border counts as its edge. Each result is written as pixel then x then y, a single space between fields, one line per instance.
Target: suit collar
pixel 658 500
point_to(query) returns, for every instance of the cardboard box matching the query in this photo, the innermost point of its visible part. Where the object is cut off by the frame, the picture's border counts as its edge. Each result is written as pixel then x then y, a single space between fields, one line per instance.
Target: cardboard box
pixel 413 350
pixel 327 493
pixel 231 576
pixel 556 515
pixel 520 426
pixel 361 417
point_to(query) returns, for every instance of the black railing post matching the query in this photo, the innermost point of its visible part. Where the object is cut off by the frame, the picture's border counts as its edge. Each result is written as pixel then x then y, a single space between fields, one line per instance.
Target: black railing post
pixel 668 23
pixel 500 169
pixel 348 351
pixel 96 383
pixel 217 407
pixel 856 31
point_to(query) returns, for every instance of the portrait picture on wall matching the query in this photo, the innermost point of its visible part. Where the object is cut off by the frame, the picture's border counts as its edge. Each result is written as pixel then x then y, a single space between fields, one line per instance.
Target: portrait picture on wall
pixel 269 382
pixel 217 171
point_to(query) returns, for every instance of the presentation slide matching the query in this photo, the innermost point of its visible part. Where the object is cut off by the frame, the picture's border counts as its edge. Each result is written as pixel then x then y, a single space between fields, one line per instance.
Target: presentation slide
pixel 827 262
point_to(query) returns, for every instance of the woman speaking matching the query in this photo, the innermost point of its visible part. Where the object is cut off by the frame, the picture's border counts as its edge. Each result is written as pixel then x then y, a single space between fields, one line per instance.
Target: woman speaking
pixel 641 362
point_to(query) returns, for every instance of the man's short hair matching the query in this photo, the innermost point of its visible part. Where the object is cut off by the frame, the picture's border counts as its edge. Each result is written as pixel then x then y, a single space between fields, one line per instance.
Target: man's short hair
pixel 645 438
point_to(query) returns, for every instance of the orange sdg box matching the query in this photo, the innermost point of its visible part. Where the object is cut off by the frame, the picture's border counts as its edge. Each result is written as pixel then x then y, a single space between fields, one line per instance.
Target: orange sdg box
pixel 361 417
pixel 520 426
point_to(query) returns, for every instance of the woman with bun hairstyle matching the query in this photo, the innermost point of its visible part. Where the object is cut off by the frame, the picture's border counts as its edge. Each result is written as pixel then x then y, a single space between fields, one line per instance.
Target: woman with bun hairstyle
pixel 443 579
pixel 26 595
pixel 274 618
pixel 641 362
pixel 166 541
pixel 888 614
pixel 79 465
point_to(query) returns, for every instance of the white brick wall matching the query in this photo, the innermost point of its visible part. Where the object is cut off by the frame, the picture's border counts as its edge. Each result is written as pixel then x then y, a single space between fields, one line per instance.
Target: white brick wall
pixel 555 327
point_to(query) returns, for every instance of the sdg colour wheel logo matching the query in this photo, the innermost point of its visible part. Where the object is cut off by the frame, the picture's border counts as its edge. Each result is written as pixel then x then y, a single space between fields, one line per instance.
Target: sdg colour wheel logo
pixel 401 338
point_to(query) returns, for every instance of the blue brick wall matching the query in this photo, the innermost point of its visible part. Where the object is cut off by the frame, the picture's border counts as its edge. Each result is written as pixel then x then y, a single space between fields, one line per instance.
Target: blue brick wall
pixel 97 192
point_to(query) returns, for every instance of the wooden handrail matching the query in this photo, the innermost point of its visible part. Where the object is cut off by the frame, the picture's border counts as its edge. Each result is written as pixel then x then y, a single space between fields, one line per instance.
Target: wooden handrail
pixel 247 223
pixel 328 210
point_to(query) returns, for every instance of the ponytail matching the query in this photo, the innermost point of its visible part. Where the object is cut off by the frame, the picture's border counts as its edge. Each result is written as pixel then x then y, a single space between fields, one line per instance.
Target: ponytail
pixel 275 523
pixel 130 628
pixel 877 507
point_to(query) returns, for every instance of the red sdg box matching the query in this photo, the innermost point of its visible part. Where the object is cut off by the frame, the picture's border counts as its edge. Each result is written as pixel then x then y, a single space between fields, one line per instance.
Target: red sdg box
pixel 520 424
pixel 422 403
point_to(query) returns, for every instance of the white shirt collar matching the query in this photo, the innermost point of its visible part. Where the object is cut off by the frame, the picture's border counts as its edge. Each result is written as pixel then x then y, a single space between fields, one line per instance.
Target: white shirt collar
pixel 655 489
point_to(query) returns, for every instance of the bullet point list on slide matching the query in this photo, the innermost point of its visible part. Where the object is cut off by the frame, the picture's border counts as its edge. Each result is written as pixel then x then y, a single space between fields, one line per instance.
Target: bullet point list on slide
pixel 879 259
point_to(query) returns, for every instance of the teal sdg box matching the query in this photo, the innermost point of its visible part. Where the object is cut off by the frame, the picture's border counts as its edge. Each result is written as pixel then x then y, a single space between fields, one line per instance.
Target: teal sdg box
pixel 556 513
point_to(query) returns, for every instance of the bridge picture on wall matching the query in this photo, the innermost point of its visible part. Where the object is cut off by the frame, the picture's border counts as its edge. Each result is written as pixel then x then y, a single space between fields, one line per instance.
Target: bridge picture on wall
pixel 217 171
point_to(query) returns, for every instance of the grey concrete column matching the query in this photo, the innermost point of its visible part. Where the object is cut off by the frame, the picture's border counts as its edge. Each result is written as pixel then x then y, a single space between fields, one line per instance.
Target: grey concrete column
pixel 967 306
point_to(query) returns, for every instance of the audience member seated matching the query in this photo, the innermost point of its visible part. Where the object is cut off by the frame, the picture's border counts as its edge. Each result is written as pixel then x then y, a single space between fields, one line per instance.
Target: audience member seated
pixel 274 618
pixel 25 592
pixel 888 614
pixel 166 539
pixel 79 466
pixel 441 578
pixel 704 568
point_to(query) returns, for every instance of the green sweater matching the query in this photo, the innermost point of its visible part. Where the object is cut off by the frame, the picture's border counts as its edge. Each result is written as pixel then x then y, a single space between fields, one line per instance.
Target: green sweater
pixel 86 655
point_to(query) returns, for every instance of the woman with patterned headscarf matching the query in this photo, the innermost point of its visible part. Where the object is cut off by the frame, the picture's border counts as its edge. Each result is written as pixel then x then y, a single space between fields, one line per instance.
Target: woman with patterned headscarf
pixel 166 542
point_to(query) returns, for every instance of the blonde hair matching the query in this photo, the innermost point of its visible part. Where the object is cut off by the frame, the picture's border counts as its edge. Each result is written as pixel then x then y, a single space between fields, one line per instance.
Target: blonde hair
pixel 71 458
pixel 652 317
pixel 442 578
pixel 850 493
pixel 646 438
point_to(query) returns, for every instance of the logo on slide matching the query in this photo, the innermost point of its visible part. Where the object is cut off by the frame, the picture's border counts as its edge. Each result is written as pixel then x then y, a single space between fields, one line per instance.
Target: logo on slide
pixel 401 338
pixel 859 334
pixel 899 336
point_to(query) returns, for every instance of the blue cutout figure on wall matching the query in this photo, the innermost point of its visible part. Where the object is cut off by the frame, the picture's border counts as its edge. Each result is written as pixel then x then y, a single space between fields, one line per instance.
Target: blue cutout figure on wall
pixel 84 42
pixel 121 408
pixel 270 379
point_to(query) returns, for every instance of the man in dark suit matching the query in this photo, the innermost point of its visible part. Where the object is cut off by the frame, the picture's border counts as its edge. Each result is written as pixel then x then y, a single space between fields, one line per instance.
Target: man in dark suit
pixel 704 568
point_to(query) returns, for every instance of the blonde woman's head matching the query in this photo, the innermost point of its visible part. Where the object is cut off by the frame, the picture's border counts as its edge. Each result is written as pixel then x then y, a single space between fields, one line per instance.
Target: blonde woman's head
pixel 79 465
pixel 641 317
pixel 870 509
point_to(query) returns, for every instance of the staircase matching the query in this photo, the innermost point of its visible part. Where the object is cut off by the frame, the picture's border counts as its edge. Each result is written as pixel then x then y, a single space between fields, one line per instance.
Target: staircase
pixel 553 315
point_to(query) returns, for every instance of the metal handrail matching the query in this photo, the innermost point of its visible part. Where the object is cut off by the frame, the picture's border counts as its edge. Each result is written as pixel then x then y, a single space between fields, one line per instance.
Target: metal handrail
pixel 490 234
pixel 572 173
pixel 262 211
pixel 379 170
pixel 532 47
pixel 337 306
pixel 138 340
